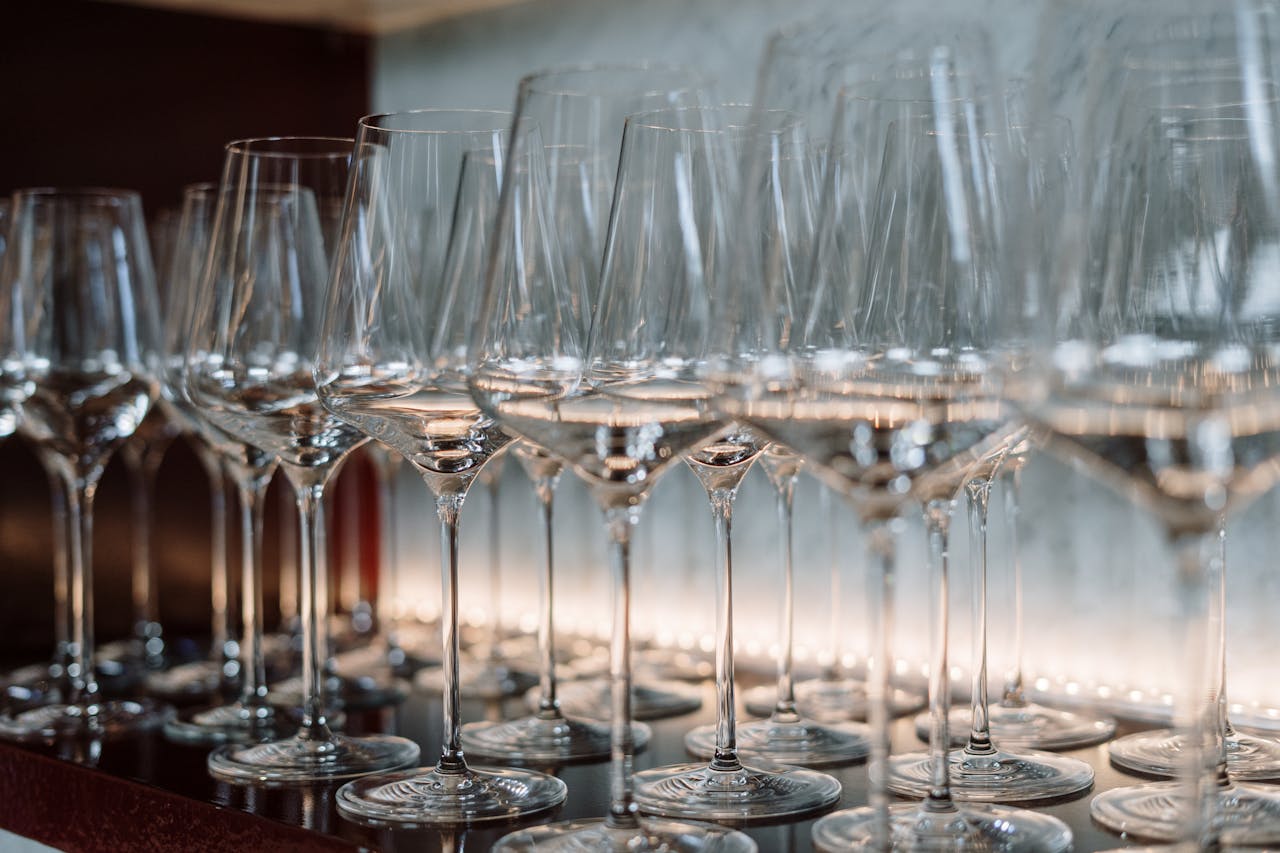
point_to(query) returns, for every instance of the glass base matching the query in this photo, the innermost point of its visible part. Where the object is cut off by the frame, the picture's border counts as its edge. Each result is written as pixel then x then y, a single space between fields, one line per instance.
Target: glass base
pixel 479 680
pixel 591 700
pixel 427 797
pixel 536 740
pixel 801 742
pixel 835 701
pixel 233 723
pixel 758 791
pixel 1029 726
pixel 33 685
pixel 653 835
pixel 357 692
pixel 104 719
pixel 970 827
pixel 1162 752
pixel 298 759
pixel 1249 814
pixel 1001 777
pixel 661 664
pixel 198 678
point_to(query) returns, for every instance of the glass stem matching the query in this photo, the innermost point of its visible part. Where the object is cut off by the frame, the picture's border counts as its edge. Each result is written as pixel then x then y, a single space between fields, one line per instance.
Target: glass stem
pixel 253 691
pixel 785 709
pixel 448 508
pixel 1011 485
pixel 288 566
pixel 881 550
pixel 1224 721
pixel 937 521
pixel 1204 768
pixel 834 670
pixel 621 521
pixel 80 491
pixel 219 595
pixel 493 490
pixel 62 656
pixel 979 494
pixel 314 598
pixel 386 613
pixel 548 705
pixel 146 625
pixel 725 759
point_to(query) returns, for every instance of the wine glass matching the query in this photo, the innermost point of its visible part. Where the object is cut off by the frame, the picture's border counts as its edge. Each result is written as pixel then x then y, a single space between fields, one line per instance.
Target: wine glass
pixel 249 470
pixel 249 359
pixel 885 383
pixel 413 244
pixel 579 111
pixel 983 770
pixel 1152 363
pixel 619 411
pixel 78 279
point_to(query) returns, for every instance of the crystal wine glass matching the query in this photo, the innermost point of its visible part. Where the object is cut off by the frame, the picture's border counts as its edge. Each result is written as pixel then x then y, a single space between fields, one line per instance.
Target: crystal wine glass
pixel 250 354
pixel 80 263
pixel 414 243
pixel 620 412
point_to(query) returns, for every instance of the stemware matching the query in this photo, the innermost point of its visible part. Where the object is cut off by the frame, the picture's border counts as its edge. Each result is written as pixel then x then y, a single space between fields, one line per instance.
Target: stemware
pixel 249 716
pixel 78 267
pixel 250 354
pixel 884 383
pixel 579 111
pixel 1153 362
pixel 620 412
pixel 413 245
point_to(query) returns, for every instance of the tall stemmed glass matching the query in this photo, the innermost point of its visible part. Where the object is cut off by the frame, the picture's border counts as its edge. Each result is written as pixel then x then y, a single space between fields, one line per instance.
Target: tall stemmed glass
pixel 886 387
pixel 249 469
pixel 413 247
pixel 620 412
pixel 80 258
pixel 983 770
pixel 579 111
pixel 249 360
pixel 1158 369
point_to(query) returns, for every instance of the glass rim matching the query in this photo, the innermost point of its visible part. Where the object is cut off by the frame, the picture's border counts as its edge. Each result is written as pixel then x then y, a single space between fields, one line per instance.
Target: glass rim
pixel 101 194
pixel 200 189
pixel 647 119
pixel 373 121
pixel 279 147
pixel 697 78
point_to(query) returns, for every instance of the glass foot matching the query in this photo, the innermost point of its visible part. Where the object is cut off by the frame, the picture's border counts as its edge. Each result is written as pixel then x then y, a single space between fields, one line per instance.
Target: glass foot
pixel 233 723
pixel 357 692
pixel 1161 752
pixel 653 835
pixel 969 827
pixel 661 664
pixel 198 678
pixel 479 680
pixel 1001 777
pixel 1028 726
pixel 33 685
pixel 1248 814
pixel 299 759
pixel 834 701
pixel 756 792
pixel 590 700
pixel 537 740
pixel 801 742
pixel 428 797
pixel 103 719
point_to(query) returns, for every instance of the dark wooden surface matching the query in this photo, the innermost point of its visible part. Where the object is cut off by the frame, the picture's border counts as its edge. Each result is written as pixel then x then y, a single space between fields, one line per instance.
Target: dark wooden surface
pixel 149 794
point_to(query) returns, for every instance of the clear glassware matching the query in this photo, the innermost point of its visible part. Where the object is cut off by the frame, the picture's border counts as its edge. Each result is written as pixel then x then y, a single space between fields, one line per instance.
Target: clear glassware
pixel 249 717
pixel 881 362
pixel 987 769
pixel 250 353
pixel 1152 364
pixel 414 243
pixel 619 411
pixel 80 300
